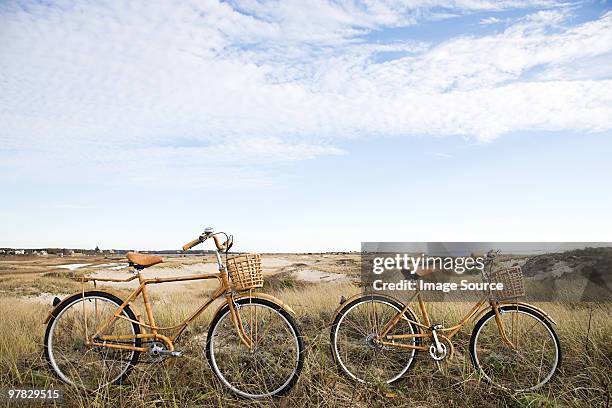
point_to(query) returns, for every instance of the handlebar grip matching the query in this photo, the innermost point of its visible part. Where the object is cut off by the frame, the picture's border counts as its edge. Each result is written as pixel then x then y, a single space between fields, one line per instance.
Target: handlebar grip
pixel 191 244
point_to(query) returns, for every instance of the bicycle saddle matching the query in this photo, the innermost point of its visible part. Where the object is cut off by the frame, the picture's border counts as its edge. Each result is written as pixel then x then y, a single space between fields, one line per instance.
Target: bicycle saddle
pixel 420 273
pixel 142 260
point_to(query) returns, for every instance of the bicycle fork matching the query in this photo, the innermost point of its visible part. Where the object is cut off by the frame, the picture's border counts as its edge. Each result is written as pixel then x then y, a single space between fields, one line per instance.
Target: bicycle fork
pixel 237 320
pixel 500 325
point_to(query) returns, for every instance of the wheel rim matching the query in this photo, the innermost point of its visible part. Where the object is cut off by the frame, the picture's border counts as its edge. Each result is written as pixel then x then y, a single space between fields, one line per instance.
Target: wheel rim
pixel 527 366
pixel 81 365
pixel 355 350
pixel 272 364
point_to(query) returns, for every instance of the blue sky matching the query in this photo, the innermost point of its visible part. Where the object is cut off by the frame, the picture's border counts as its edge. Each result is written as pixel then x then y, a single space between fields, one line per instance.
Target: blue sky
pixel 304 126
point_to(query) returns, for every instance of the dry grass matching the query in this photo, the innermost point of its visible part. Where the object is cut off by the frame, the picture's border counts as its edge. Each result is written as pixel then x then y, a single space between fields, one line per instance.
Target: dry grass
pixel 584 379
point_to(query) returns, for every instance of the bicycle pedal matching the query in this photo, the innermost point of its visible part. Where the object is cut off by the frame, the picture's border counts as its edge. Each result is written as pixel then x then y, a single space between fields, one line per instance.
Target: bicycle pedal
pixel 171 353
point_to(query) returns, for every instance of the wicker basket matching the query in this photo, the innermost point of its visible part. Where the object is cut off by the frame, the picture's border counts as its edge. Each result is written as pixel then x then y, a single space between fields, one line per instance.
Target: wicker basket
pixel 512 279
pixel 245 271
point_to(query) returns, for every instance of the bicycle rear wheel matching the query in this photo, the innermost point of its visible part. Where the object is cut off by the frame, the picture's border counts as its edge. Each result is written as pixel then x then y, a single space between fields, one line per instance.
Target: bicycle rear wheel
pixel 352 336
pixel 82 365
pixel 272 366
pixel 527 364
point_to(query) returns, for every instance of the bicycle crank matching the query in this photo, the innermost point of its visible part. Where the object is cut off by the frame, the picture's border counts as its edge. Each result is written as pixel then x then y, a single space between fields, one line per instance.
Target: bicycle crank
pixel 438 353
pixel 438 350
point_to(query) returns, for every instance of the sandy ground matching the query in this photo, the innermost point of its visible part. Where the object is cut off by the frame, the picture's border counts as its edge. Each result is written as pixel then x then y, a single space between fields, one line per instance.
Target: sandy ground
pixel 311 275
pixel 73 267
pixel 271 265
pixel 29 270
pixel 46 298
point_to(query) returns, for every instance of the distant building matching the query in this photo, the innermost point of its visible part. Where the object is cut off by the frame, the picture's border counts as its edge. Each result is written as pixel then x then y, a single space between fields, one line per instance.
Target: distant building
pixel 19 252
pixel 67 252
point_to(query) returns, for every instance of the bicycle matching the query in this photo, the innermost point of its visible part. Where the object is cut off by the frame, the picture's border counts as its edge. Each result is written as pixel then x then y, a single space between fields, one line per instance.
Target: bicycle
pixel 254 347
pixel 374 337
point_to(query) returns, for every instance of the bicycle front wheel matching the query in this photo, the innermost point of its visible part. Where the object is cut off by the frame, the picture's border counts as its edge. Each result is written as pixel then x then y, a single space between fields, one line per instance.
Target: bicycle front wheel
pixel 528 361
pixel 272 365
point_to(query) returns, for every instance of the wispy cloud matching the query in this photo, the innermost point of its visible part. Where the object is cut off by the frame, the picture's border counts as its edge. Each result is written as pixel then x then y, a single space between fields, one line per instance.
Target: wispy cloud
pixel 440 155
pixel 70 207
pixel 153 85
pixel 494 20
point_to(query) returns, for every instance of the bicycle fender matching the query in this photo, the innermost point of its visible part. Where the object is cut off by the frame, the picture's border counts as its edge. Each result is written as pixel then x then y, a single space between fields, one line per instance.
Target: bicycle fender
pixel 358 295
pixel 523 304
pixel 80 293
pixel 532 307
pixel 344 302
pixel 260 295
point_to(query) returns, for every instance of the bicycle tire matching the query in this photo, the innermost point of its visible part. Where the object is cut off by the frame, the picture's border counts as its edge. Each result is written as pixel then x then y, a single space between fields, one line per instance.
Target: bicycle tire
pixel 520 309
pixel 66 304
pixel 346 309
pixel 224 311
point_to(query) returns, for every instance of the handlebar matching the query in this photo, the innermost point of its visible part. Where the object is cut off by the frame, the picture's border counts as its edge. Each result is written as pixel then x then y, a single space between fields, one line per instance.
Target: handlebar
pixel 221 247
pixel 218 244
pixel 494 253
pixel 487 257
pixel 193 243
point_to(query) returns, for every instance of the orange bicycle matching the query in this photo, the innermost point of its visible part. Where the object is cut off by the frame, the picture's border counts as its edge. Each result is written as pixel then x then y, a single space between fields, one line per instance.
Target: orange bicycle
pixel 254 346
pixel 374 337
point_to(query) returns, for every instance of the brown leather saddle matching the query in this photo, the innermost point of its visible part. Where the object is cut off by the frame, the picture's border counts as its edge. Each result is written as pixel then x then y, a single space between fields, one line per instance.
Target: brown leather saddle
pixel 141 261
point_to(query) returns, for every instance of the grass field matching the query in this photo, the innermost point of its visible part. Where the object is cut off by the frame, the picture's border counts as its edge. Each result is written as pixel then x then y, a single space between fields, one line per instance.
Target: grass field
pixel 584 378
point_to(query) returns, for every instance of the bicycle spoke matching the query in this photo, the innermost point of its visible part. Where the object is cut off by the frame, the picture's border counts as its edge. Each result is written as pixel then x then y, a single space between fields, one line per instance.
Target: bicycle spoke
pixel 527 365
pixel 77 363
pixel 268 364
pixel 356 347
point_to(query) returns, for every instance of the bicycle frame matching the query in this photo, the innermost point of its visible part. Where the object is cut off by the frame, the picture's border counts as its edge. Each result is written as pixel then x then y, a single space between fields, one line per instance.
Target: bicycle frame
pixel 225 288
pixel 451 331
pixel 446 333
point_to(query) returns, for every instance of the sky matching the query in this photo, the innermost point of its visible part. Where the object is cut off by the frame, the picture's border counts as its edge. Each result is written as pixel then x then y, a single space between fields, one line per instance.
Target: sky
pixel 304 126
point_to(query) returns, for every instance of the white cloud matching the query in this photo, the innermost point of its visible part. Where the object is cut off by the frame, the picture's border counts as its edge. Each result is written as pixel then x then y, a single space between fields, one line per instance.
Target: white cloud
pixel 490 20
pixel 235 163
pixel 102 87
pixel 440 155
